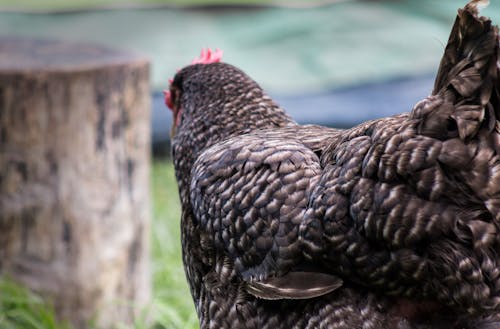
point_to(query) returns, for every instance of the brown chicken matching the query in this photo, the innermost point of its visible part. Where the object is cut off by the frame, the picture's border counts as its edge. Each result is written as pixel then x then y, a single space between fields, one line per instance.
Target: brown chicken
pixel 394 223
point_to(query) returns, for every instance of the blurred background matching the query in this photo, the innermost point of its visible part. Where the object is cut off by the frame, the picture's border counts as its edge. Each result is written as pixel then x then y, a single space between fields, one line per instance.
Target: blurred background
pixel 335 63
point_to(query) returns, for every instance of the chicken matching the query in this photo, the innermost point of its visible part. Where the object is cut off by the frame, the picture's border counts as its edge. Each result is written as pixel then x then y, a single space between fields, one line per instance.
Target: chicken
pixel 394 223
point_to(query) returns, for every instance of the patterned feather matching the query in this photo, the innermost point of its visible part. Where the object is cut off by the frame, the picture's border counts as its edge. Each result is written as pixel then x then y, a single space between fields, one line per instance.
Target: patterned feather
pixel 394 223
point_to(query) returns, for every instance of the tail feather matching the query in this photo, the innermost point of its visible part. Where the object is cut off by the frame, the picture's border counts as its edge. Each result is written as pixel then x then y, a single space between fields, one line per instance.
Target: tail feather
pixel 466 90
pixel 464 113
pixel 472 41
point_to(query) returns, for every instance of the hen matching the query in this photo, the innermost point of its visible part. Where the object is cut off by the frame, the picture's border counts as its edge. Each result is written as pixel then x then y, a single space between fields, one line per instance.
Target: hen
pixel 391 224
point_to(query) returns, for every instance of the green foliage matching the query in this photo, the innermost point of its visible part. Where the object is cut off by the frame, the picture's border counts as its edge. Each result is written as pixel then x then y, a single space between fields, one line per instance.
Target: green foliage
pixel 172 306
pixel 20 308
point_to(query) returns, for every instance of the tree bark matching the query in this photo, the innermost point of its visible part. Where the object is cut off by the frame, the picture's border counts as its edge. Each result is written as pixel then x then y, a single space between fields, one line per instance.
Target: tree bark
pixel 74 177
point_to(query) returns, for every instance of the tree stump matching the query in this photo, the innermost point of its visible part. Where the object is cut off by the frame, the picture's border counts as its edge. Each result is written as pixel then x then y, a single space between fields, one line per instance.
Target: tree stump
pixel 74 177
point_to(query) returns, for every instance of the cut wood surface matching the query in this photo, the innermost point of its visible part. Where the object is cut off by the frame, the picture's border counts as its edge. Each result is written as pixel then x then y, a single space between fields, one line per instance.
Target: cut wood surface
pixel 74 176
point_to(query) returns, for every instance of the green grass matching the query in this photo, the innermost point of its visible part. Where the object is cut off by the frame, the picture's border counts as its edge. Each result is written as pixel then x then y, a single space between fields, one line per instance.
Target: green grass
pixel 171 307
pixel 84 4
pixel 20 308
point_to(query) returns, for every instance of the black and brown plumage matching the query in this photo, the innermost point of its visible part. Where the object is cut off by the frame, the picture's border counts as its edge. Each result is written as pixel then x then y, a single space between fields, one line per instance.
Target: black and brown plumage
pixel 394 223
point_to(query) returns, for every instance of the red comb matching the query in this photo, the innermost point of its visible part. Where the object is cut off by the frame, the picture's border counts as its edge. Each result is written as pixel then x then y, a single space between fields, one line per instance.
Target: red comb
pixel 207 56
